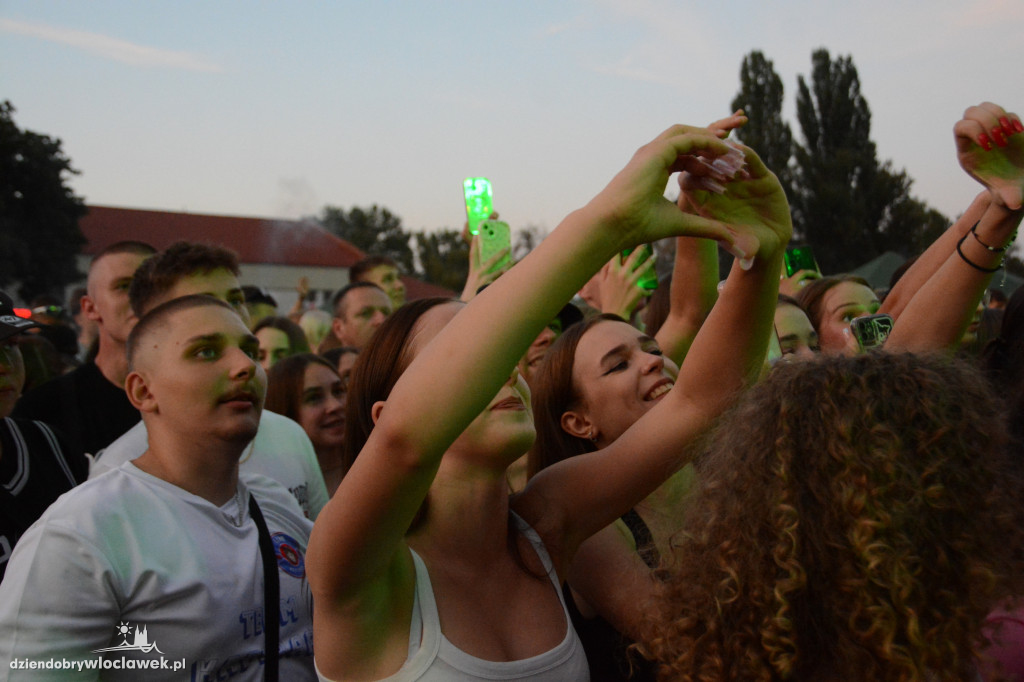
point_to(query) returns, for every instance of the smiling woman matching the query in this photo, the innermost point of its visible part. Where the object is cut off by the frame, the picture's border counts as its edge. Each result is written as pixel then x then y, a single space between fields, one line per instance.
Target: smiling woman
pixel 422 566
pixel 309 390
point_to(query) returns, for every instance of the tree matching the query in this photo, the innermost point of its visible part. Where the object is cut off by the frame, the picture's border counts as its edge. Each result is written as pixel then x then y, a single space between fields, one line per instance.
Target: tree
pixel 375 230
pixel 846 204
pixel 39 233
pixel 443 258
pixel 526 240
pixel 760 97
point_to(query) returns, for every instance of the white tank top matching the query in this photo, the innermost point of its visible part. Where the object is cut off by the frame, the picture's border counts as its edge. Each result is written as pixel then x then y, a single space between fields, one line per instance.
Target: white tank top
pixel 432 658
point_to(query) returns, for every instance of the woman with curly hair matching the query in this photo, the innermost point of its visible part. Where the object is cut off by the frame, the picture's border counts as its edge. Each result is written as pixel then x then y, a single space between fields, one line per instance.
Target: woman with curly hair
pixel 856 518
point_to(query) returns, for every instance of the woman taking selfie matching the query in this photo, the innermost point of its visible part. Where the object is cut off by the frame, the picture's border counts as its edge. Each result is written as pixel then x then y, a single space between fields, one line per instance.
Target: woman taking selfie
pixel 422 530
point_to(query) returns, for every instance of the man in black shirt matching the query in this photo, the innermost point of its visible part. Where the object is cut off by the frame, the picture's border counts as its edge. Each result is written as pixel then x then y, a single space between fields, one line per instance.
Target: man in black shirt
pixel 34 468
pixel 89 405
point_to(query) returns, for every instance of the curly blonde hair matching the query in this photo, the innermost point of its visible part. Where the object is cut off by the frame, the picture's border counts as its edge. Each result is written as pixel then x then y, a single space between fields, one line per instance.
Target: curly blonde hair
pixel 855 518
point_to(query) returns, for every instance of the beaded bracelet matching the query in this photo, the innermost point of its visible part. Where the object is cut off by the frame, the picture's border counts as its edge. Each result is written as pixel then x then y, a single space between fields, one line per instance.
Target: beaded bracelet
pixel 975 265
pixel 993 249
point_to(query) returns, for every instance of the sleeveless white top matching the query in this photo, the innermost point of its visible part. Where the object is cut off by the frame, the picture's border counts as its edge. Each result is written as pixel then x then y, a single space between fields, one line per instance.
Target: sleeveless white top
pixel 432 658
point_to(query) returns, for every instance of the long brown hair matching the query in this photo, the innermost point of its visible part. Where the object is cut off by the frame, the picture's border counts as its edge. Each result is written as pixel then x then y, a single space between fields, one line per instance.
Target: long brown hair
pixel 812 296
pixel 855 518
pixel 285 381
pixel 554 393
pixel 377 370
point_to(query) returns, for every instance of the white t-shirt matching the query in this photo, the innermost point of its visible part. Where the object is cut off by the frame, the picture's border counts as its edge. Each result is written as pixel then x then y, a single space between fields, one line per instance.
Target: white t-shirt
pixel 281 451
pixel 129 570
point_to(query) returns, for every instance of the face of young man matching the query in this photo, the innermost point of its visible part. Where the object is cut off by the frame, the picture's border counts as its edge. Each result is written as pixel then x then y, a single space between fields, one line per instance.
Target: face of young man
pixel 388 279
pixel 219 283
pixel 198 374
pixel 106 298
pixel 362 311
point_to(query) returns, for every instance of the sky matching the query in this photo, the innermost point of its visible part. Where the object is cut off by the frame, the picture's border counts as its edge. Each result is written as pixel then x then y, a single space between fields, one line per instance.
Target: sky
pixel 275 109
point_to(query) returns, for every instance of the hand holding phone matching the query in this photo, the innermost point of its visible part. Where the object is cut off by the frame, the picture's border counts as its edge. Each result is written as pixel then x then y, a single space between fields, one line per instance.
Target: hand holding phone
pixel 871 331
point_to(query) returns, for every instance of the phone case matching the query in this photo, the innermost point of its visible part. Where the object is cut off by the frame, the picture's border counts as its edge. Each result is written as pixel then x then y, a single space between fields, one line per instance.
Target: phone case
pixel 871 331
pixel 495 235
pixel 799 258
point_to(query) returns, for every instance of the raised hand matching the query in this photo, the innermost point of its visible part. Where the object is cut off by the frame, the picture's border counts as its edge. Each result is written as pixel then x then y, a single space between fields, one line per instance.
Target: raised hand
pixel 617 283
pixel 752 203
pixel 481 273
pixel 990 147
pixel 634 201
pixel 723 126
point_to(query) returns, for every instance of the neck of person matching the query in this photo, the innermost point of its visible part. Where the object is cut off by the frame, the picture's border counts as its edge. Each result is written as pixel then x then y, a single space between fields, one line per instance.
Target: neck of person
pixel 466 514
pixel 206 468
pixel 111 359
pixel 330 460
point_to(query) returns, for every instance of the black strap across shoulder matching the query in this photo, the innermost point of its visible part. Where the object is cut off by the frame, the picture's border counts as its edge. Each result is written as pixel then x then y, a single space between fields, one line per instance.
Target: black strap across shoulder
pixel 271 595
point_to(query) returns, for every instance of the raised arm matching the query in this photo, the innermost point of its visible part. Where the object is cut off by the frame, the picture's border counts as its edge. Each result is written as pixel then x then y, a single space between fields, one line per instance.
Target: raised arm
pixel 937 303
pixel 357 538
pixel 592 490
pixel 694 273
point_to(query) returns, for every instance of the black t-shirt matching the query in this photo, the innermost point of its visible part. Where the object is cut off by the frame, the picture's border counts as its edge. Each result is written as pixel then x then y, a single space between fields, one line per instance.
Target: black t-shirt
pixel 88 410
pixel 35 469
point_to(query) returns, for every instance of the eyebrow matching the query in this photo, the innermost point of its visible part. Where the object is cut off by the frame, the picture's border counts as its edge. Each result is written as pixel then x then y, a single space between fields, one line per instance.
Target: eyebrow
pixel 623 347
pixel 855 303
pixel 217 337
pixel 248 339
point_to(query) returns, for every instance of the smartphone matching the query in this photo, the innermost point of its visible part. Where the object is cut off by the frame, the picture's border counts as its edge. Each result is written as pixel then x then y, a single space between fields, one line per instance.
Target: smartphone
pixel 649 281
pixel 871 331
pixel 800 258
pixel 479 202
pixel 495 235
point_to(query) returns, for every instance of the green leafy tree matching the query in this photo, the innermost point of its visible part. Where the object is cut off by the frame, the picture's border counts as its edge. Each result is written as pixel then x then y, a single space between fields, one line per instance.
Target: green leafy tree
pixel 39 233
pixel 526 240
pixel 375 230
pixel 846 204
pixel 443 258
pixel 760 97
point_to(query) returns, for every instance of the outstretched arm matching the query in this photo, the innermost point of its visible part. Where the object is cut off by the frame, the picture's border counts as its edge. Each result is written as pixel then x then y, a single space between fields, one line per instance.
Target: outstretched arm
pixel 592 490
pixel 356 542
pixel 955 271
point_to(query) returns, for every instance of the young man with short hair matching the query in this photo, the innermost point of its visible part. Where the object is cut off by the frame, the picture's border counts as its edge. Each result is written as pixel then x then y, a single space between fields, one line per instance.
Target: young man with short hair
pixel 159 563
pixel 281 450
pixel 88 405
pixel 383 272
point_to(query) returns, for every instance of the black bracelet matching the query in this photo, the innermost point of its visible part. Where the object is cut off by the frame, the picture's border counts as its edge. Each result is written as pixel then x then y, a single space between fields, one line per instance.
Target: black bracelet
pixel 975 265
pixel 990 248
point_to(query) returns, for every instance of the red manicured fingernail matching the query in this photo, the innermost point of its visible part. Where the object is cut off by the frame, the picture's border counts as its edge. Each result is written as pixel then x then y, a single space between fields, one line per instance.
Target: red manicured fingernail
pixel 1018 126
pixel 985 142
pixel 997 135
pixel 1007 126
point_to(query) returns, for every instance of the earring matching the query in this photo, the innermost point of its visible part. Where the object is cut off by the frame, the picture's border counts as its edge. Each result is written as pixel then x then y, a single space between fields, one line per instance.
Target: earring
pixel 592 436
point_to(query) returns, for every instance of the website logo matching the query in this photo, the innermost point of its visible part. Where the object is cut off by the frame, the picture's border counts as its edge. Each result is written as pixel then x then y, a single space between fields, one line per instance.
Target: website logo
pixel 139 640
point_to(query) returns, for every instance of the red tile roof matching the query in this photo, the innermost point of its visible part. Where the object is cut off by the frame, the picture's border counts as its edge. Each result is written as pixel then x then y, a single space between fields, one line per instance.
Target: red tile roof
pixel 255 240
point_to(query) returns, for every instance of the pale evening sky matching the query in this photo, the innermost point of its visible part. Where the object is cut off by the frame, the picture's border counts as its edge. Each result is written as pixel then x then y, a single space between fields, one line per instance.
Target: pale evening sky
pixel 276 109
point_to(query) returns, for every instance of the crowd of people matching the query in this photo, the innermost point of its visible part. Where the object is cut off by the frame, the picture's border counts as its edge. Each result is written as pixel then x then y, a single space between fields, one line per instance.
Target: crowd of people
pixel 557 476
